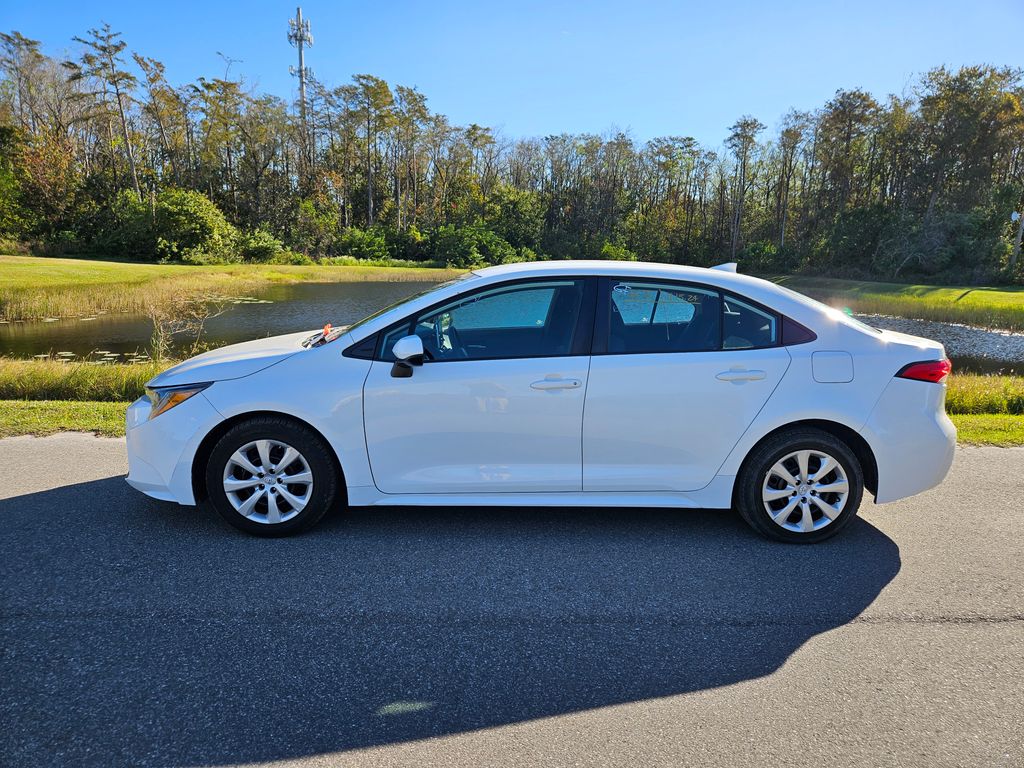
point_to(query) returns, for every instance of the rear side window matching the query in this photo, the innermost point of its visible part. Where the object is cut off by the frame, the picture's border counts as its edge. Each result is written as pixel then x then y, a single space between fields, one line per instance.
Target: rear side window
pixel 747 327
pixel 653 317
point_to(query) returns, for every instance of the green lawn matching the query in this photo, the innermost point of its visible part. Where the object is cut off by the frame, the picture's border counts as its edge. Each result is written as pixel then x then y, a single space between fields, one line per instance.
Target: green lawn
pixel 990 429
pixel 33 287
pixel 990 307
pixel 54 380
pixel 45 417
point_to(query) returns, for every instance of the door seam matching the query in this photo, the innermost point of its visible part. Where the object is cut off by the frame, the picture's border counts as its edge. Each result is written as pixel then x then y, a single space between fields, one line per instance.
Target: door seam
pixel 583 425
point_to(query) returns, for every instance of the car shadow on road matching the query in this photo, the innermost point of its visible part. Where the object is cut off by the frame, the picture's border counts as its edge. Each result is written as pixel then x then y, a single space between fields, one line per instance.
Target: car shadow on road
pixel 139 632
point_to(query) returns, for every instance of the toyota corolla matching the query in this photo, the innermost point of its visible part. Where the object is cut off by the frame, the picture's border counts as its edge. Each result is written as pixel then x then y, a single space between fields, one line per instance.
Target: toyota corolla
pixel 558 384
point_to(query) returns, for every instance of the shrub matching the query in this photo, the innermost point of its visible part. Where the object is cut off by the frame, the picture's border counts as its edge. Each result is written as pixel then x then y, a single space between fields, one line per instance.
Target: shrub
pixel 361 244
pixel 288 256
pixel 125 228
pixel 1015 403
pixel 406 245
pixel 613 252
pixel 10 246
pixel 259 245
pixel 523 254
pixel 176 225
pixel 454 247
pixel 14 218
pixel 316 226
pixel 62 242
pixel 465 247
pixel 189 227
pixel 764 257
pixel 515 215
pixel 493 248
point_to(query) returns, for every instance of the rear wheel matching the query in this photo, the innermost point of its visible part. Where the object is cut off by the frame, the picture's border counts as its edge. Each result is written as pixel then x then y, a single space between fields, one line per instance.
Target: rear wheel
pixel 801 486
pixel 270 476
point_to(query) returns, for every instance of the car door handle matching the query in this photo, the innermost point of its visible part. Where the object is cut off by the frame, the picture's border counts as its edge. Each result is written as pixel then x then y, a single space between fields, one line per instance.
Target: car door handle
pixel 737 374
pixel 557 384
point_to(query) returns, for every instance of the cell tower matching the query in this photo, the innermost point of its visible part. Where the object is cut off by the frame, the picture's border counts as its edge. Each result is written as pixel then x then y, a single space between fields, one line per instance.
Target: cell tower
pixel 300 36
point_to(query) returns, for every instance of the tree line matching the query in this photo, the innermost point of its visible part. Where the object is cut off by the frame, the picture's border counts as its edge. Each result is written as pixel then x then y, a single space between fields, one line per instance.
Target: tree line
pixel 101 153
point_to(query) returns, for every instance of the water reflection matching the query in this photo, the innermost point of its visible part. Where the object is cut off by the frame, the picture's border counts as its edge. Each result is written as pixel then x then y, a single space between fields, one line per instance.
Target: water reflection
pixel 296 307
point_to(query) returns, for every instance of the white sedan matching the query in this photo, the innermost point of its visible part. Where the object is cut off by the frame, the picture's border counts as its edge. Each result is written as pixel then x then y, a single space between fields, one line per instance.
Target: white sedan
pixel 558 384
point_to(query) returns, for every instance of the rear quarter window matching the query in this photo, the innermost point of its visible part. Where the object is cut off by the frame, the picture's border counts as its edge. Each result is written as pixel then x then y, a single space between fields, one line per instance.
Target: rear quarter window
pixel 745 326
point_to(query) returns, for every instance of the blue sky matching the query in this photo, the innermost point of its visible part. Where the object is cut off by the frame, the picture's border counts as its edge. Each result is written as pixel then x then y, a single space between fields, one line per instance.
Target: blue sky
pixel 537 68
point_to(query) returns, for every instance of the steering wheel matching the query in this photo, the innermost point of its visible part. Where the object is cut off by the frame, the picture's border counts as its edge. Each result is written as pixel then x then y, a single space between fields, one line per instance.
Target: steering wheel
pixel 457 346
pixel 453 337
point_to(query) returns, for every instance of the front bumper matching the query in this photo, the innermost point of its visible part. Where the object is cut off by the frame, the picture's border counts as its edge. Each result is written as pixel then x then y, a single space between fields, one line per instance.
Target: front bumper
pixel 161 450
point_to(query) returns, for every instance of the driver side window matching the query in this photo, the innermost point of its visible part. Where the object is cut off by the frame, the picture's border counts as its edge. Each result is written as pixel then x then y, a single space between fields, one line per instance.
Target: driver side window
pixel 536 319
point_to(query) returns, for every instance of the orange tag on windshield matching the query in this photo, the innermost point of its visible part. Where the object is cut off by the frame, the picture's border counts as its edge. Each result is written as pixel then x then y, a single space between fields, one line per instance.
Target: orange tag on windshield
pixel 327 330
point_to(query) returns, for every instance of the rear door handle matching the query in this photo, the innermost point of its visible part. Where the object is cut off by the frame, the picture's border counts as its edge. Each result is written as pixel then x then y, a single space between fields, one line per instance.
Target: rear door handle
pixel 737 374
pixel 557 384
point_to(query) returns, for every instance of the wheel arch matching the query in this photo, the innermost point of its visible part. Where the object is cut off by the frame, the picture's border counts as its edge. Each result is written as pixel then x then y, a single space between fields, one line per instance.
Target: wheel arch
pixel 202 454
pixel 854 440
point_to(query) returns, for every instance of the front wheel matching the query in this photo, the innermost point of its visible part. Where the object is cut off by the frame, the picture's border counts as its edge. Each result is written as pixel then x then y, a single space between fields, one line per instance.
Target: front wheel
pixel 800 486
pixel 270 476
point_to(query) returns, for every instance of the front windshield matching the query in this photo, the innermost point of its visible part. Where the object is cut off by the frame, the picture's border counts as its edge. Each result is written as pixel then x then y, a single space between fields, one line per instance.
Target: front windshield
pixel 389 307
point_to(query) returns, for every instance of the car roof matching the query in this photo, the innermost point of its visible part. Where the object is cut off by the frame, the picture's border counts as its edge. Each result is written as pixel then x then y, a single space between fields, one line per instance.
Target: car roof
pixel 725 277
pixel 594 267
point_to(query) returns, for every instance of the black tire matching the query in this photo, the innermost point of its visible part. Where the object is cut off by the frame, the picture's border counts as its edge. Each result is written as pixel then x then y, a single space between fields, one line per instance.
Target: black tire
pixel 314 451
pixel 753 475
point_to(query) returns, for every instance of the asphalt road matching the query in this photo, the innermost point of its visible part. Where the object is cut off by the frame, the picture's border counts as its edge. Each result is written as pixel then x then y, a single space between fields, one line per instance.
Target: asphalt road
pixel 136 632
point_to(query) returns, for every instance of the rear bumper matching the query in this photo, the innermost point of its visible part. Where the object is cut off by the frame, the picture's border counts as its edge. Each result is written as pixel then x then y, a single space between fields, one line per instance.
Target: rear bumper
pixel 912 438
pixel 161 451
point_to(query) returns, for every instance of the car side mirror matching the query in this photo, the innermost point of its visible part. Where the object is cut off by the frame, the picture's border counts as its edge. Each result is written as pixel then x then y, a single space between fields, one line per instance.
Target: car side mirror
pixel 409 352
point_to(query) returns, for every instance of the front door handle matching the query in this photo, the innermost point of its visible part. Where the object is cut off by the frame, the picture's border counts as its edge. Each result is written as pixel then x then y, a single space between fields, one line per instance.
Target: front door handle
pixel 557 384
pixel 738 374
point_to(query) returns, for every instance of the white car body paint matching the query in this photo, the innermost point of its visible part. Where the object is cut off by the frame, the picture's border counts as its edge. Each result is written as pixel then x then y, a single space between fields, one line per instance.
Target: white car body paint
pixel 233 362
pixel 666 422
pixel 497 430
pixel 638 429
pixel 832 367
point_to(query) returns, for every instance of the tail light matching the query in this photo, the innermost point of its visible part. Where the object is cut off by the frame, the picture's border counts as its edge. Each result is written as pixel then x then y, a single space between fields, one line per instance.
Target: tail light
pixel 929 370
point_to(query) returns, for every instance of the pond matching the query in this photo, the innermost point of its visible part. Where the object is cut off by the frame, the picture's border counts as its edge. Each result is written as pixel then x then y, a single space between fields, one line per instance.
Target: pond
pixel 280 309
pixel 304 306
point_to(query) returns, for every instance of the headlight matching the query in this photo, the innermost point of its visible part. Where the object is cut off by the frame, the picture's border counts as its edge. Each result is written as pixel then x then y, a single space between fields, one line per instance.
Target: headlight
pixel 164 398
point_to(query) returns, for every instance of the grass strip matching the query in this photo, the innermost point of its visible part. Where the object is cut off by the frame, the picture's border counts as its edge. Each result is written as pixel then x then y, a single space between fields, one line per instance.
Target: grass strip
pixel 974 393
pixel 53 380
pixel 981 306
pixel 46 417
pixel 989 429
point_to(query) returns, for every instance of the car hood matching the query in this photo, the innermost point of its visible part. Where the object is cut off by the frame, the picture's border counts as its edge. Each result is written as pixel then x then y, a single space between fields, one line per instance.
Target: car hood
pixel 232 362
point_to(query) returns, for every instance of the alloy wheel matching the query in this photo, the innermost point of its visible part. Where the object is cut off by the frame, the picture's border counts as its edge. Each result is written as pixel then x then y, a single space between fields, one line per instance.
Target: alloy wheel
pixel 268 481
pixel 805 491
